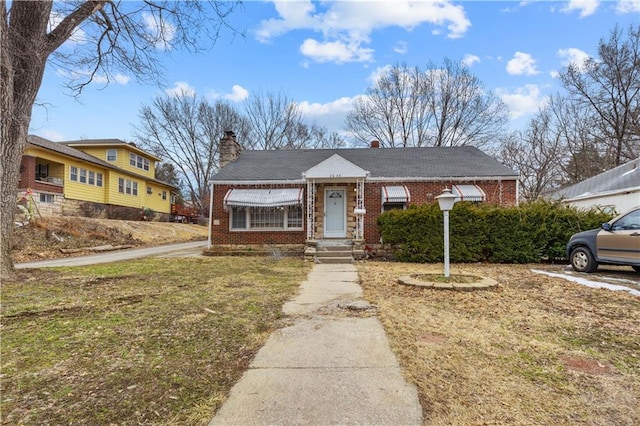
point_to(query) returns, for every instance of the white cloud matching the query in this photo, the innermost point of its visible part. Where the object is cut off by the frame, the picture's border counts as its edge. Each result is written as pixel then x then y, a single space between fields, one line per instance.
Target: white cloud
pixel 335 51
pixel 522 63
pixel 470 59
pixel 573 56
pixel 118 78
pixel 585 7
pixel 159 32
pixel 238 94
pixel 347 25
pixel 377 73
pixel 524 100
pixel 331 115
pixel 401 47
pixel 181 88
pixel 628 6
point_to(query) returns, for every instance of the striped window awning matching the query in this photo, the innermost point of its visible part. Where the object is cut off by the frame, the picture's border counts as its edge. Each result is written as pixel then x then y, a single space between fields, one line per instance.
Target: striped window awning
pixel 263 197
pixel 395 194
pixel 469 193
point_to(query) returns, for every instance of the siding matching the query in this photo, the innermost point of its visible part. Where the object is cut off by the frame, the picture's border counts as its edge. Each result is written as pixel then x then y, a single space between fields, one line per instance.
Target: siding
pixel 122 159
pixel 60 166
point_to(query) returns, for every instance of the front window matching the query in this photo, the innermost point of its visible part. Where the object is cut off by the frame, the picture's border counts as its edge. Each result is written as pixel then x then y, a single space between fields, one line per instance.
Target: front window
pixel 112 154
pixel 83 176
pixel 238 218
pixel 393 206
pixel 266 218
pixel 47 198
pixel 73 174
pixel 164 195
pixel 98 179
pixel 92 178
pixel 270 217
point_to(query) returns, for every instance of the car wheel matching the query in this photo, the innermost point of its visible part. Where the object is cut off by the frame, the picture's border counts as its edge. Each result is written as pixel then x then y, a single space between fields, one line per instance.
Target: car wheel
pixel 582 260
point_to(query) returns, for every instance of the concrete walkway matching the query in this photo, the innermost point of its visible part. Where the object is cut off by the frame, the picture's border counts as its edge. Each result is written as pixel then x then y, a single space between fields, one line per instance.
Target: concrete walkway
pixel 180 249
pixel 332 366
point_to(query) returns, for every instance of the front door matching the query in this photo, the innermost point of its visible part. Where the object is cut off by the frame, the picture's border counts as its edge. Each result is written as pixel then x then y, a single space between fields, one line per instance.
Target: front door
pixel 335 213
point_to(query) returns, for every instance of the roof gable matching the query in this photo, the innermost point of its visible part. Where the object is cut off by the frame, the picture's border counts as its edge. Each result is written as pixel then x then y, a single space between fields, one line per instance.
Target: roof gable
pixel 335 167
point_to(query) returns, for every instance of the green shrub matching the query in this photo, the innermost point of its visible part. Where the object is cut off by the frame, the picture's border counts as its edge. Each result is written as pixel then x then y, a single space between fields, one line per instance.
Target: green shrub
pixel 531 232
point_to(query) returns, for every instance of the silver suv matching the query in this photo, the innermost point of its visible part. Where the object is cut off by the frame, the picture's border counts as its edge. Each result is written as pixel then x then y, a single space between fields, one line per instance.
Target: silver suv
pixel 616 242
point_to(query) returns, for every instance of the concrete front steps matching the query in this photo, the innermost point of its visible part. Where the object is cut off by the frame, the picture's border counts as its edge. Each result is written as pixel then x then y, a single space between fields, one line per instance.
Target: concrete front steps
pixel 334 251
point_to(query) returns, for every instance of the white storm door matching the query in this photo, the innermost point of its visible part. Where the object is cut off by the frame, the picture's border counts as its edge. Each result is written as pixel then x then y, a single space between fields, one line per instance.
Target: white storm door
pixel 335 213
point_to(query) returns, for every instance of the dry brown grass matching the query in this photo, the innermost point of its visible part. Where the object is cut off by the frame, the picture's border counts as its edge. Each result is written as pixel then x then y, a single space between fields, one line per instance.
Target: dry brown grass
pixel 535 351
pixel 147 341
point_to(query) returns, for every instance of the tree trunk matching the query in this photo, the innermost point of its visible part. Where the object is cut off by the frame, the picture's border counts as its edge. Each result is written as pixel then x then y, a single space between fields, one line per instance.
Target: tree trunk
pixel 23 57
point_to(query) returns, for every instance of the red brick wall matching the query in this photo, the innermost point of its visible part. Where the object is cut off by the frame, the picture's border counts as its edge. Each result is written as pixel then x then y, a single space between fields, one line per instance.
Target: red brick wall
pixel 27 178
pixel 499 193
pixel 221 233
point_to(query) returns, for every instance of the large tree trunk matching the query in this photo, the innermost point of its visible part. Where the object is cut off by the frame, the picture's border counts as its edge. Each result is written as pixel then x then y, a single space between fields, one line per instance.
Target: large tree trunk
pixel 24 55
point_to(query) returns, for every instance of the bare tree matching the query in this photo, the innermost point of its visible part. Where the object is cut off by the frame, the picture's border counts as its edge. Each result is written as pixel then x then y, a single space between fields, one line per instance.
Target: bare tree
pixel 463 111
pixel 301 136
pixel 116 35
pixel 273 118
pixel 393 111
pixel 607 88
pixel 186 131
pixel 536 153
pixel 441 106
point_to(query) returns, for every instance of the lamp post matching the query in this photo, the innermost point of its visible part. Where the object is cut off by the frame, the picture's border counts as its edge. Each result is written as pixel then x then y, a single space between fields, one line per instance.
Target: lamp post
pixel 446 200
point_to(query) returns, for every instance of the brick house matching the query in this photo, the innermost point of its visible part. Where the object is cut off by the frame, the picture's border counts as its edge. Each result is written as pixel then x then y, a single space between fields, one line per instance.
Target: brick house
pixel 300 199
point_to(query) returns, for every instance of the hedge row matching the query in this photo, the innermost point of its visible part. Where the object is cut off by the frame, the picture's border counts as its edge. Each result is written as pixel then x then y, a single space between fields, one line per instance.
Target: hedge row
pixel 532 232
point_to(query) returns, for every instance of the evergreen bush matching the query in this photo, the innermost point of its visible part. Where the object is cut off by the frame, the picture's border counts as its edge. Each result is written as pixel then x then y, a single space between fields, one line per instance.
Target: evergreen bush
pixel 529 233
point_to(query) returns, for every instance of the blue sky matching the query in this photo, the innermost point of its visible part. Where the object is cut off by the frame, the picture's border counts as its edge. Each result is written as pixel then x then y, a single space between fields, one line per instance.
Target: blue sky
pixel 325 54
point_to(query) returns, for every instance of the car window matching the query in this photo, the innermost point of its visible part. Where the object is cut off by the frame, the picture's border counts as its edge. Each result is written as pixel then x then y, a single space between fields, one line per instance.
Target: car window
pixel 628 221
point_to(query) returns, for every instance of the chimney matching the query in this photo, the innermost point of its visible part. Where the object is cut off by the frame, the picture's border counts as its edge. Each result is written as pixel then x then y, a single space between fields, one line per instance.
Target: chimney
pixel 375 144
pixel 229 148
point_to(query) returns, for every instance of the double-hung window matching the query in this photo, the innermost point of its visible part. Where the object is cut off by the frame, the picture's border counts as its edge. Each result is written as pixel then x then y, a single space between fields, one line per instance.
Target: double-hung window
pixel 266 218
pixel 73 174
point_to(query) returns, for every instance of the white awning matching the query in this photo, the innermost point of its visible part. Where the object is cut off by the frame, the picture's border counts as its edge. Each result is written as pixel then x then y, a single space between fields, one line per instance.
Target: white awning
pixel 395 194
pixel 469 192
pixel 263 197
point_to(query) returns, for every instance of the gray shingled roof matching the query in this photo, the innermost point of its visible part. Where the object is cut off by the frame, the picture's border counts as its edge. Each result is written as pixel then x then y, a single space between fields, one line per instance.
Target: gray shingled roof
pixel 62 148
pixel 623 177
pixel 465 161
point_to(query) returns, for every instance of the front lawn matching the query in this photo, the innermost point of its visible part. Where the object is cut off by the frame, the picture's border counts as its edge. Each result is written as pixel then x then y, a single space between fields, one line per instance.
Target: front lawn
pixel 148 341
pixel 536 351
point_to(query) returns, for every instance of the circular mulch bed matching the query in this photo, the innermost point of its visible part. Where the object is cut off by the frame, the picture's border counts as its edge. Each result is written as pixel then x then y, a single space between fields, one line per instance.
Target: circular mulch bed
pixel 461 282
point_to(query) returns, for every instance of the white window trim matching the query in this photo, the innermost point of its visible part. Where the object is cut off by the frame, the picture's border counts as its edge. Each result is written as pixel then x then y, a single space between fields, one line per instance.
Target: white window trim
pixel 248 228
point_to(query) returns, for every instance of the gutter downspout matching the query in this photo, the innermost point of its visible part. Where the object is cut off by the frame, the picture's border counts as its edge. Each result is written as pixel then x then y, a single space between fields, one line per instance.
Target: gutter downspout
pixel 210 216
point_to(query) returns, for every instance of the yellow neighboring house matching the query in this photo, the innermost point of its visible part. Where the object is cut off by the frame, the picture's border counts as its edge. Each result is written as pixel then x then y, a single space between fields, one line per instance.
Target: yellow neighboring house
pixel 97 178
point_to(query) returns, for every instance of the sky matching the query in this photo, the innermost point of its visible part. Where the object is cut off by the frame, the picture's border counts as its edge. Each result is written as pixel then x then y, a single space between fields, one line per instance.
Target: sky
pixel 323 55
